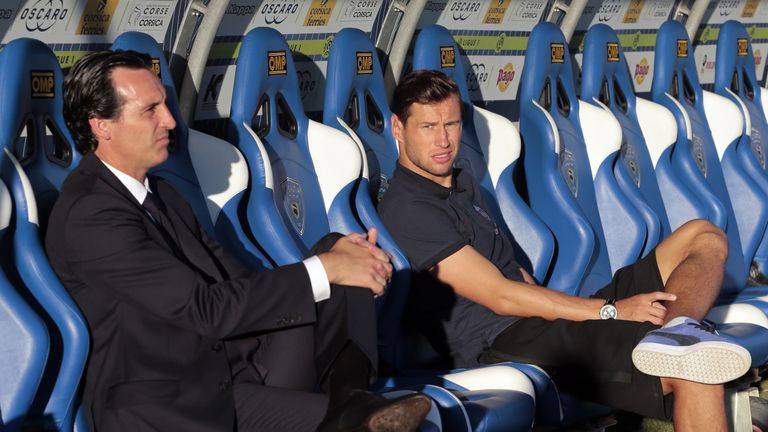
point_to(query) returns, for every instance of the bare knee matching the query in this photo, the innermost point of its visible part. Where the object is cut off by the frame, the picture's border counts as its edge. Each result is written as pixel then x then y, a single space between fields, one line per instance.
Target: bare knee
pixel 680 386
pixel 705 238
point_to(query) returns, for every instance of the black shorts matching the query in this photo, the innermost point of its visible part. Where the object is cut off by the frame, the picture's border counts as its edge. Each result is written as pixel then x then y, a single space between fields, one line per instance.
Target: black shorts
pixel 593 359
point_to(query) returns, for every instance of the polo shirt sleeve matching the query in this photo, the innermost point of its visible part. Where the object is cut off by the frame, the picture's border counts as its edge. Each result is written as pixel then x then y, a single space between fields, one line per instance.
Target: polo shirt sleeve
pixel 426 232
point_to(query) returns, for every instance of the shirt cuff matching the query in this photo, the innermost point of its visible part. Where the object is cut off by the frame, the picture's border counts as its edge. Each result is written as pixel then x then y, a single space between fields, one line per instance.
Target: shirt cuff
pixel 321 288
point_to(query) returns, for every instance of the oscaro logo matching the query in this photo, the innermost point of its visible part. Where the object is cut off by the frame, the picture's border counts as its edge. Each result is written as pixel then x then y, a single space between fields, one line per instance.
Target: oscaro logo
pixel 44 14
pixel 307 83
pixel 276 13
pixel 6 13
pixel 607 11
pixel 477 75
pixel 463 10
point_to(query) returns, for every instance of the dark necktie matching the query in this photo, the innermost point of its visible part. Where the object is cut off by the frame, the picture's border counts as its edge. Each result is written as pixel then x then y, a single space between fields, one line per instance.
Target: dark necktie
pixel 153 207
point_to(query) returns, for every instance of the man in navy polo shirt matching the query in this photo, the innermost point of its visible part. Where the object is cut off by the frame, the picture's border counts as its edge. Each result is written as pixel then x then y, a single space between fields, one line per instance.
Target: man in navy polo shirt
pixel 632 346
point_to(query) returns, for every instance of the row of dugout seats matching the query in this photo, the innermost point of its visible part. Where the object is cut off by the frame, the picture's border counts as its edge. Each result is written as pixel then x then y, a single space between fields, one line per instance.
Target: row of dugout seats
pixel 604 182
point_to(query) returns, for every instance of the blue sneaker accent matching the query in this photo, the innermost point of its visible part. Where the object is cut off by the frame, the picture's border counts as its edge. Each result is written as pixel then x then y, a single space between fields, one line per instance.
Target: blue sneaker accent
pixel 691 351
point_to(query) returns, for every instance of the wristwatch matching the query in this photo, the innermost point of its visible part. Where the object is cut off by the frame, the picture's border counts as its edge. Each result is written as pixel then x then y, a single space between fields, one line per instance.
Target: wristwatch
pixel 609 311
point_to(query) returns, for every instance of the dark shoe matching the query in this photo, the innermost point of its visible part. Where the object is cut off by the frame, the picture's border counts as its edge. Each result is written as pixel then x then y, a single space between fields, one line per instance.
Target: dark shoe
pixel 364 411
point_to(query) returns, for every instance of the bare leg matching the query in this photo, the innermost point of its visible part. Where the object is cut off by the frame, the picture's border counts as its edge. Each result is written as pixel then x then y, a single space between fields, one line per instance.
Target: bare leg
pixel 690 398
pixel 691 262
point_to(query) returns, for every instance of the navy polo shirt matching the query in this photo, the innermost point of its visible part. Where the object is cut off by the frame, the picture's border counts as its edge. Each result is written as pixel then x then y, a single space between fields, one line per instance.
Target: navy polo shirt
pixel 430 223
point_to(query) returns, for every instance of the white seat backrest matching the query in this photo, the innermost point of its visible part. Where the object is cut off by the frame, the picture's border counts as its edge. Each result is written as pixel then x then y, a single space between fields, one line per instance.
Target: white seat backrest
pixel 602 134
pixel 29 194
pixel 211 158
pixel 658 126
pixel 336 157
pixel 725 120
pixel 499 139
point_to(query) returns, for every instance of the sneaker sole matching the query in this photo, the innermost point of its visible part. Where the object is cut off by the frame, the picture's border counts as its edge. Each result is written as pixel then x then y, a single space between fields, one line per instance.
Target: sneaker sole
pixel 708 363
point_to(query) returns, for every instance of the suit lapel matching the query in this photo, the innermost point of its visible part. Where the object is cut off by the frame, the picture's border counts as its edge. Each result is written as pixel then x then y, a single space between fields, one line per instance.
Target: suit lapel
pixel 182 241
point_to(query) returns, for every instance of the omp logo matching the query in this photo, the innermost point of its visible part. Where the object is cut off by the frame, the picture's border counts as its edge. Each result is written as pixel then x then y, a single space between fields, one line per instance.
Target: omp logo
pixel 682 48
pixel 641 71
pixel 612 49
pixel 156 67
pixel 463 9
pixel 557 52
pixel 741 47
pixel 495 13
pixel 277 63
pixel 319 13
pixel 43 14
pixel 307 83
pixel 240 10
pixel 447 57
pixel 506 75
pixel 277 11
pixel 364 62
pixel 477 76
pixel 42 84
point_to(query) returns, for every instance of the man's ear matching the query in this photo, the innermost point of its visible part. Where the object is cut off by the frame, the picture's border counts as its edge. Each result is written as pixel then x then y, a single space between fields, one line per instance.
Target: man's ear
pixel 99 128
pixel 397 128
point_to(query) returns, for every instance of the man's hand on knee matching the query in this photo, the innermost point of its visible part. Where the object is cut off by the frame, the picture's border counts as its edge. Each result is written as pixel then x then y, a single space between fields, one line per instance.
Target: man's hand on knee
pixel 644 307
pixel 356 260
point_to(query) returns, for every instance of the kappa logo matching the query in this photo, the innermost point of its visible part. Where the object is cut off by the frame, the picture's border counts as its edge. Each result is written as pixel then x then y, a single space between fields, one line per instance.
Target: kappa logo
pixel 682 48
pixel 277 63
pixel 742 47
pixel 557 52
pixel 42 84
pixel 364 62
pixel 447 57
pixel 613 51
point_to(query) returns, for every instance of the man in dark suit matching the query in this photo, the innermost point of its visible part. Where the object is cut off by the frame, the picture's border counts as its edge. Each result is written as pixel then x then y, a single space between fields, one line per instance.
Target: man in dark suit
pixel 183 336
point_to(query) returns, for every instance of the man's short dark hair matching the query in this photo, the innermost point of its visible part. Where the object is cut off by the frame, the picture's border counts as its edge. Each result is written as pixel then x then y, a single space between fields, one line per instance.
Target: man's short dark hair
pixel 88 92
pixel 426 87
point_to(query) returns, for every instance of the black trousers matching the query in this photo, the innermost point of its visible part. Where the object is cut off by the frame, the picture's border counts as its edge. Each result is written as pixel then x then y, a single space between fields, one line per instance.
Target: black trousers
pixel 280 388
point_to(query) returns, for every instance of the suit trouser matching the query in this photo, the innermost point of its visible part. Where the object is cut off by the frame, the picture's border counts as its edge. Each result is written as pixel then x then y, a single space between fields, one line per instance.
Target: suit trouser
pixel 280 392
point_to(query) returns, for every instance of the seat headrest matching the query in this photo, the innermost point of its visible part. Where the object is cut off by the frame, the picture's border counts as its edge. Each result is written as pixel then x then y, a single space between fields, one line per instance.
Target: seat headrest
pixel 266 78
pixel 604 73
pixel 435 49
pixel 674 65
pixel 551 71
pixel 31 88
pixel 735 66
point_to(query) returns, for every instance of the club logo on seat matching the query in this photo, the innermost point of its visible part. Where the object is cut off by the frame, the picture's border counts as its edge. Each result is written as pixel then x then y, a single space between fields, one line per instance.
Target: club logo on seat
pixel 557 53
pixel 293 204
pixel 741 47
pixel 277 63
pixel 613 51
pixel 447 57
pixel 364 62
pixel 42 84
pixel 569 171
pixel 682 48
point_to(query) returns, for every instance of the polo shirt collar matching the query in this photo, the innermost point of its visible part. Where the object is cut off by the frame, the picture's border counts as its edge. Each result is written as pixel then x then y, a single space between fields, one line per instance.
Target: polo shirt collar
pixel 427 185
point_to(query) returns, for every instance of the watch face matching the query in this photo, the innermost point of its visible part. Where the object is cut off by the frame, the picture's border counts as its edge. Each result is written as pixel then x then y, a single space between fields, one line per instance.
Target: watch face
pixel 608 312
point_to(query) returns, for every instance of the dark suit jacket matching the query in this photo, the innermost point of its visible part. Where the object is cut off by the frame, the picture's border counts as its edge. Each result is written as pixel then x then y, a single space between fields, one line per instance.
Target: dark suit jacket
pixel 158 311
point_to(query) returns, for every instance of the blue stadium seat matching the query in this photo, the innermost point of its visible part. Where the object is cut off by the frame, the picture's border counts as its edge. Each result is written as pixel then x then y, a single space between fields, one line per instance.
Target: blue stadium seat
pixel 490 147
pixel 709 130
pixel 355 103
pixel 735 80
pixel 567 185
pixel 23 336
pixel 33 131
pixel 605 79
pixel 209 172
